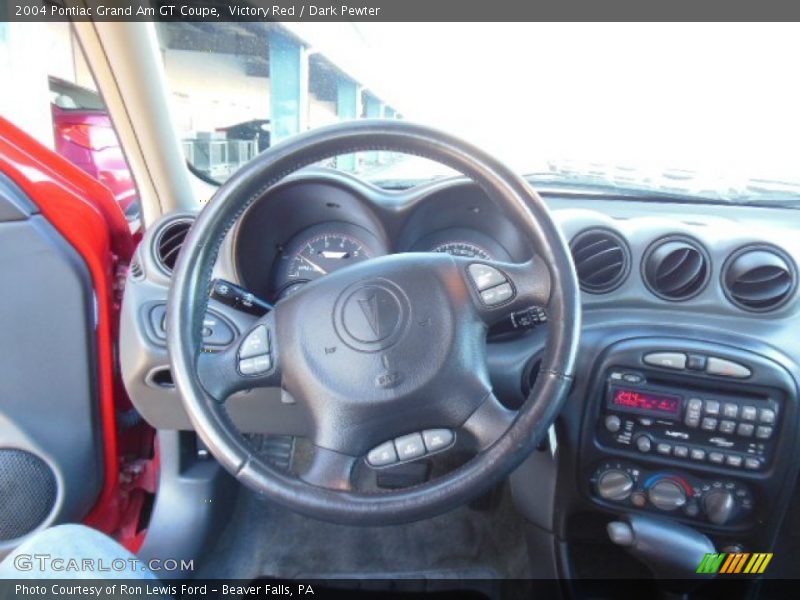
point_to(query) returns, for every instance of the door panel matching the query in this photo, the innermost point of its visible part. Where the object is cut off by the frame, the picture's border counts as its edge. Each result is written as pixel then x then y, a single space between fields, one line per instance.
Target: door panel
pixel 64 245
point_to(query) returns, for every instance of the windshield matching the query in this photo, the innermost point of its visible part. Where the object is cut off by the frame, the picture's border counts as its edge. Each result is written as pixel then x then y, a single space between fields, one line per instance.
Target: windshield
pixel 623 107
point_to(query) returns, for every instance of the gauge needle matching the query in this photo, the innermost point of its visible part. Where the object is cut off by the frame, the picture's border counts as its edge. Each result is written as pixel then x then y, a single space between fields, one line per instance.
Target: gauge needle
pixel 314 266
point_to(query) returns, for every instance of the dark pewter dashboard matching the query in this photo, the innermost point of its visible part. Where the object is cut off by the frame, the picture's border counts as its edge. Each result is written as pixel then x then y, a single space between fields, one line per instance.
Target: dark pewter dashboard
pixel 688 308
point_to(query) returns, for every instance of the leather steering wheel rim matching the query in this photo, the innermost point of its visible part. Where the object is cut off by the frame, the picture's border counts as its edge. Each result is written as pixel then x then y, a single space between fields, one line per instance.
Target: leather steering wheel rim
pixel 189 295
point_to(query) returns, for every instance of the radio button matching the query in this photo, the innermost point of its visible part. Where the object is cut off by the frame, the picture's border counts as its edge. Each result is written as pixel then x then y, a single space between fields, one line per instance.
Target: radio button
pixel 733 460
pixel 726 368
pixel 748 413
pixel 709 424
pixel 766 415
pixel 698 454
pixel 752 463
pixel 745 429
pixel 663 448
pixel 681 451
pixel 763 432
pixel 693 409
pixel 613 423
pixel 727 426
pixel 643 443
pixel 716 457
pixel 633 378
pixel 730 410
pixel 669 360
pixel 712 407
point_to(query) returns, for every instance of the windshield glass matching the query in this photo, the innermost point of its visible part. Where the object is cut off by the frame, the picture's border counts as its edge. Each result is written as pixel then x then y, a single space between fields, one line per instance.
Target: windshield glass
pixel 648 107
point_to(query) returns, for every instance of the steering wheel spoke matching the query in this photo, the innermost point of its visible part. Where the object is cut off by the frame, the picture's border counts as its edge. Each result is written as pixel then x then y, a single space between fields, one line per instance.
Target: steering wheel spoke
pixel 250 362
pixel 488 423
pixel 500 289
pixel 330 469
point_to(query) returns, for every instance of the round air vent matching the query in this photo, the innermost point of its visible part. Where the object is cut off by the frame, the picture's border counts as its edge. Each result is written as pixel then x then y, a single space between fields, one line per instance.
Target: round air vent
pixel 759 278
pixel 169 242
pixel 602 260
pixel 135 269
pixel 676 268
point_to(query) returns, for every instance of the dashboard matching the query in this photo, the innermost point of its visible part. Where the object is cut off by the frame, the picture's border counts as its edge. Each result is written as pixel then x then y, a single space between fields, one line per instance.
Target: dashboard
pixel 689 310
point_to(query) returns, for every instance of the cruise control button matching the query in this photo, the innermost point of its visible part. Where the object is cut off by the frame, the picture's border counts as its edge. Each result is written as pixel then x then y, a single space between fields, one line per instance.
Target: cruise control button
pixel 497 295
pixel 670 360
pixel 382 455
pixel 436 439
pixel 485 276
pixel 256 343
pixel 726 368
pixel 255 365
pixel 409 446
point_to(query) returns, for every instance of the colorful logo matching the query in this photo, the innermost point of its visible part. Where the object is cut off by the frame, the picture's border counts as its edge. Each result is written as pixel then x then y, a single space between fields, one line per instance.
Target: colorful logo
pixel 735 562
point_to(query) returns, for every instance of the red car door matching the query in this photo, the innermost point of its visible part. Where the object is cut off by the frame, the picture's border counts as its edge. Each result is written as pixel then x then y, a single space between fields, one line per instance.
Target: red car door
pixel 71 448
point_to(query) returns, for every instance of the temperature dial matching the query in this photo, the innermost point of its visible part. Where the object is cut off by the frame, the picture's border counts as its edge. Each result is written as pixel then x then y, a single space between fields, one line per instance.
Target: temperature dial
pixel 667 494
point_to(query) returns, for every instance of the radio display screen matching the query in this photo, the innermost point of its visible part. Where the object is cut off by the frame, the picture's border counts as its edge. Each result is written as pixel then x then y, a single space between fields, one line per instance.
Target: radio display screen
pixel 649 401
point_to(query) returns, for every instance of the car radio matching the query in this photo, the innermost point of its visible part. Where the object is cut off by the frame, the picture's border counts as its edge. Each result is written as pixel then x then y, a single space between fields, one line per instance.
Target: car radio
pixel 700 426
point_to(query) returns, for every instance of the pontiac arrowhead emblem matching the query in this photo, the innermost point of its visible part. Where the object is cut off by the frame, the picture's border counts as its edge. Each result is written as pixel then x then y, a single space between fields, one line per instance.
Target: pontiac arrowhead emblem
pixel 369 306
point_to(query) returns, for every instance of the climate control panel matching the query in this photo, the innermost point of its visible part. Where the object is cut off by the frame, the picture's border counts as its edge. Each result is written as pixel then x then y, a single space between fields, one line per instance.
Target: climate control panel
pixel 717 501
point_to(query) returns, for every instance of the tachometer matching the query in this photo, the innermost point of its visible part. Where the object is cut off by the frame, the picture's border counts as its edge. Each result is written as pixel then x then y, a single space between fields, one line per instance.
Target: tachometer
pixel 467 249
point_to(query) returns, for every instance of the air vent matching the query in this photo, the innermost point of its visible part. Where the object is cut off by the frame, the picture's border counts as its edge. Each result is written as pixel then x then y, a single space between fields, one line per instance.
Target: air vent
pixel 676 268
pixel 602 260
pixel 169 242
pixel 759 279
pixel 135 269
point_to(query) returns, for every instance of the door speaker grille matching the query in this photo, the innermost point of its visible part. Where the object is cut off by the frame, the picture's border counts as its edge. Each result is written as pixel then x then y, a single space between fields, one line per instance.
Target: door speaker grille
pixel 27 493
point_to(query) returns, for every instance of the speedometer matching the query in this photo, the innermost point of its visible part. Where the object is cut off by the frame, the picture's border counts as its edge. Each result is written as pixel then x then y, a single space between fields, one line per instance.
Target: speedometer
pixel 466 249
pixel 310 258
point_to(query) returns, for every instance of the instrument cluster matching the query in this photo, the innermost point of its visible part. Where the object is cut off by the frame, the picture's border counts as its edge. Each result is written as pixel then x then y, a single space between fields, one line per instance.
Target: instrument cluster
pixel 326 226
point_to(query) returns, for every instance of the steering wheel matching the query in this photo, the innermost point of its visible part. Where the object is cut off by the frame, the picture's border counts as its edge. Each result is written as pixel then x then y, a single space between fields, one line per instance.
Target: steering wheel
pixel 392 348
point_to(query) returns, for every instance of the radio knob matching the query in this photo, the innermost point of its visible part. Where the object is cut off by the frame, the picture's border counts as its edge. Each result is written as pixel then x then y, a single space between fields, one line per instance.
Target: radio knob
pixel 667 495
pixel 718 505
pixel 613 423
pixel 615 485
pixel 643 443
